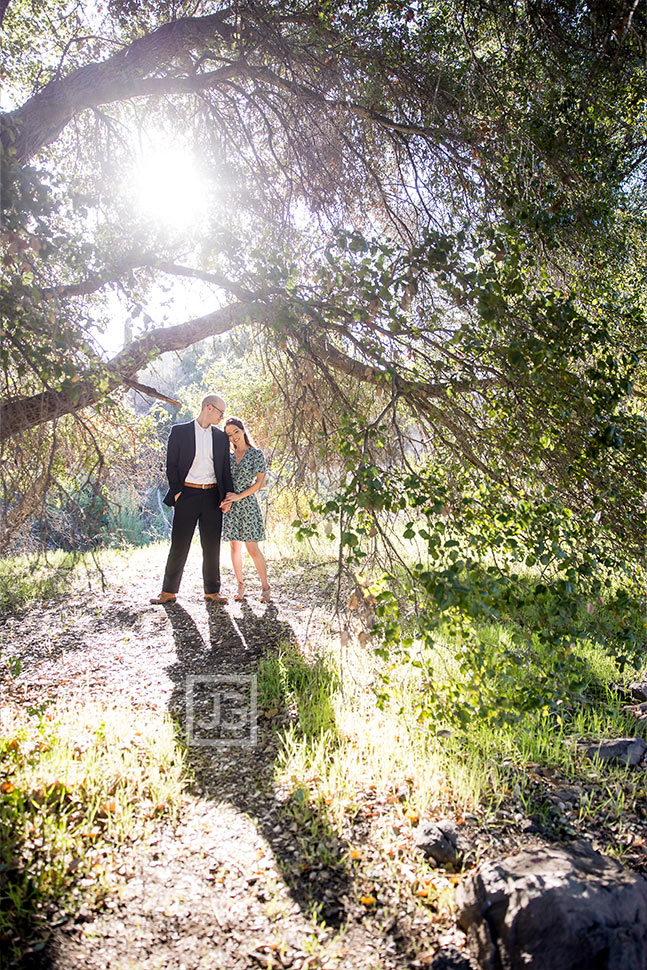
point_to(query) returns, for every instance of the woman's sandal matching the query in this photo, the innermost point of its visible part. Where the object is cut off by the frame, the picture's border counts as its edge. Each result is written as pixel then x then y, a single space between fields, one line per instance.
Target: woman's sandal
pixel 266 595
pixel 240 595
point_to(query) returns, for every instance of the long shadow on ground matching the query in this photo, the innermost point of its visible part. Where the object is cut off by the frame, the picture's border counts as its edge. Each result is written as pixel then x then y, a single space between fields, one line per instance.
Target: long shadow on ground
pixel 232 750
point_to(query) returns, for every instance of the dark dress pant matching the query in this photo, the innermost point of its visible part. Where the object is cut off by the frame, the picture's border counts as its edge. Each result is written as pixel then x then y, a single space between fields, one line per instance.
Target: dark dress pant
pixel 195 506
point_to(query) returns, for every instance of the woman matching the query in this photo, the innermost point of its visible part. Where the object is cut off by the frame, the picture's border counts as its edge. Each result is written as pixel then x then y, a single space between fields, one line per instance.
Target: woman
pixel 244 522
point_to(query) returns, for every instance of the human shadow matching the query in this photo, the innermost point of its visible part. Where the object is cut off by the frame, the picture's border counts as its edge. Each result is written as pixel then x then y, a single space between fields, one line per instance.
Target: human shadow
pixel 229 737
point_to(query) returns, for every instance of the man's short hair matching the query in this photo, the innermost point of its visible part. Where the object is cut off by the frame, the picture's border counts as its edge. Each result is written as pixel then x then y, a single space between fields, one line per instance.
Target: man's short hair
pixel 214 399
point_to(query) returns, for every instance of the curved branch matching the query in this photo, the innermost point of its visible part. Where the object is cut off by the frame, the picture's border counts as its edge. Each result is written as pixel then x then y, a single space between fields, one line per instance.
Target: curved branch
pixel 42 118
pixel 150 392
pixel 144 68
pixel 21 414
pixel 96 281
pixel 382 378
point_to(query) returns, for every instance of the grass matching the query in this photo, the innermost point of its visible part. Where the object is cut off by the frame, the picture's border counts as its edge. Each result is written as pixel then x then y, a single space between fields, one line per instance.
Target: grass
pixel 286 679
pixel 343 752
pixel 339 745
pixel 80 782
pixel 29 579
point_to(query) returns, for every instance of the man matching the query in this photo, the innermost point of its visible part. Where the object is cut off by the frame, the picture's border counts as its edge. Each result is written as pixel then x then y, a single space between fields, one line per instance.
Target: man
pixel 199 477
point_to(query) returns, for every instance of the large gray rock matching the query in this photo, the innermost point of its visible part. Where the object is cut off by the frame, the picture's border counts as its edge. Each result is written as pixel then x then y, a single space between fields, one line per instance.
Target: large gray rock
pixel 624 751
pixel 555 909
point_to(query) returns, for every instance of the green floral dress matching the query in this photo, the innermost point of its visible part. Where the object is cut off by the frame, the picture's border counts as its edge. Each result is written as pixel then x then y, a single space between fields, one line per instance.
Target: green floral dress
pixel 244 521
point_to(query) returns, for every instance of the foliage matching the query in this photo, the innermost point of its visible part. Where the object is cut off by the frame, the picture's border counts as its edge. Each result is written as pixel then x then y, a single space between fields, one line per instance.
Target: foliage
pixel 486 327
pixel 512 116
pixel 484 554
pixel 430 220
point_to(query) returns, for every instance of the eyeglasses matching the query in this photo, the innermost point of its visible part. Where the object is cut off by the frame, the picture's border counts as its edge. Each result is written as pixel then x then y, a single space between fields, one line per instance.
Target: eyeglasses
pixel 219 410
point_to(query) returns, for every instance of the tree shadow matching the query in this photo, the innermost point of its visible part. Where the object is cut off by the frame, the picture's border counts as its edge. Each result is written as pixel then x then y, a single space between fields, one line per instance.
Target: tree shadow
pixel 229 738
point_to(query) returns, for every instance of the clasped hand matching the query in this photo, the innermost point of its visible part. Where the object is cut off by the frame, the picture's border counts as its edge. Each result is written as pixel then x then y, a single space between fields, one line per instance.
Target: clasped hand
pixel 228 501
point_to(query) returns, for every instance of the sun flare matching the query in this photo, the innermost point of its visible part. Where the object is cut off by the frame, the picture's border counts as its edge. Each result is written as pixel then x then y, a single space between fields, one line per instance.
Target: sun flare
pixel 169 187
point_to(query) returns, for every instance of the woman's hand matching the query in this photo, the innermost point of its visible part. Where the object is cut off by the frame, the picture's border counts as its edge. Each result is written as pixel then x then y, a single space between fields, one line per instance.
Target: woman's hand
pixel 231 497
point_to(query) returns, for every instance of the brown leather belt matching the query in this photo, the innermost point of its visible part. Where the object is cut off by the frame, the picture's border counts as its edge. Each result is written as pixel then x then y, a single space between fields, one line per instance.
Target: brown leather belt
pixel 193 485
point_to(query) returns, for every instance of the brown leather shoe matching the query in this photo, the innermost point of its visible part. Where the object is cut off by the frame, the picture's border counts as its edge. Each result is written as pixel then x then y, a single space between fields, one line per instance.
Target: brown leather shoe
pixel 164 598
pixel 215 598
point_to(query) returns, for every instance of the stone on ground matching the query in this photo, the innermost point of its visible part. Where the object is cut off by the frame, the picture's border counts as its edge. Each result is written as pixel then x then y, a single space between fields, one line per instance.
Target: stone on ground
pixel 441 842
pixel 555 909
pixel 624 751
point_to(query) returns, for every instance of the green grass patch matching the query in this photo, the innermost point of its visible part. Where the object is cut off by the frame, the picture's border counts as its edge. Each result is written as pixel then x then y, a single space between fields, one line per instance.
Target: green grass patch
pixel 79 782
pixel 288 681
pixel 29 579
pixel 338 745
pixel 341 749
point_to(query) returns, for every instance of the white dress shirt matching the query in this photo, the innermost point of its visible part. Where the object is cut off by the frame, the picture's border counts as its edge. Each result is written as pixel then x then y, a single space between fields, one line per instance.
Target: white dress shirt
pixel 201 471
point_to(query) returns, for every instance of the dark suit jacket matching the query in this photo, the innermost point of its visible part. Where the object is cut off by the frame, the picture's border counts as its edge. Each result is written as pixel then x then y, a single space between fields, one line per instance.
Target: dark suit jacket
pixel 180 452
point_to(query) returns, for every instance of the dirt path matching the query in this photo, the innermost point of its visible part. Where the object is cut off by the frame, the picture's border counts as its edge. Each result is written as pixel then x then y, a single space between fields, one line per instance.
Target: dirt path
pixel 234 884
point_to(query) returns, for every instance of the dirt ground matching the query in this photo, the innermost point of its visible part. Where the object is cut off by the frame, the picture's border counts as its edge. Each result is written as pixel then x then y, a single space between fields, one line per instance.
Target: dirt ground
pixel 234 884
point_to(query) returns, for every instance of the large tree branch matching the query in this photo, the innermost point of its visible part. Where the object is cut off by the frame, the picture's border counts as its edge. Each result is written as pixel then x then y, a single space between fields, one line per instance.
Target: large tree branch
pixel 154 65
pixel 20 414
pixel 384 378
pixel 96 281
pixel 42 118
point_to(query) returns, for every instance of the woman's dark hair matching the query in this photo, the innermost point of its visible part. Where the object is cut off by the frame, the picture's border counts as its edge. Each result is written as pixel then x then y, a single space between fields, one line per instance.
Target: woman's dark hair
pixel 237 423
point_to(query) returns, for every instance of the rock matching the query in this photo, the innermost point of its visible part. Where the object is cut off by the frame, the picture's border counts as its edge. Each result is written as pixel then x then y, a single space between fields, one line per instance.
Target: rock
pixel 566 794
pixel 441 842
pixel 555 909
pixel 529 826
pixel 449 958
pixel 636 691
pixel 624 751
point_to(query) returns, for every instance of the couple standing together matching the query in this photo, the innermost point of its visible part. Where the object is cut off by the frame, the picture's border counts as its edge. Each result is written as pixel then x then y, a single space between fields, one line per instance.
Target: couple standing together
pixel 212 474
